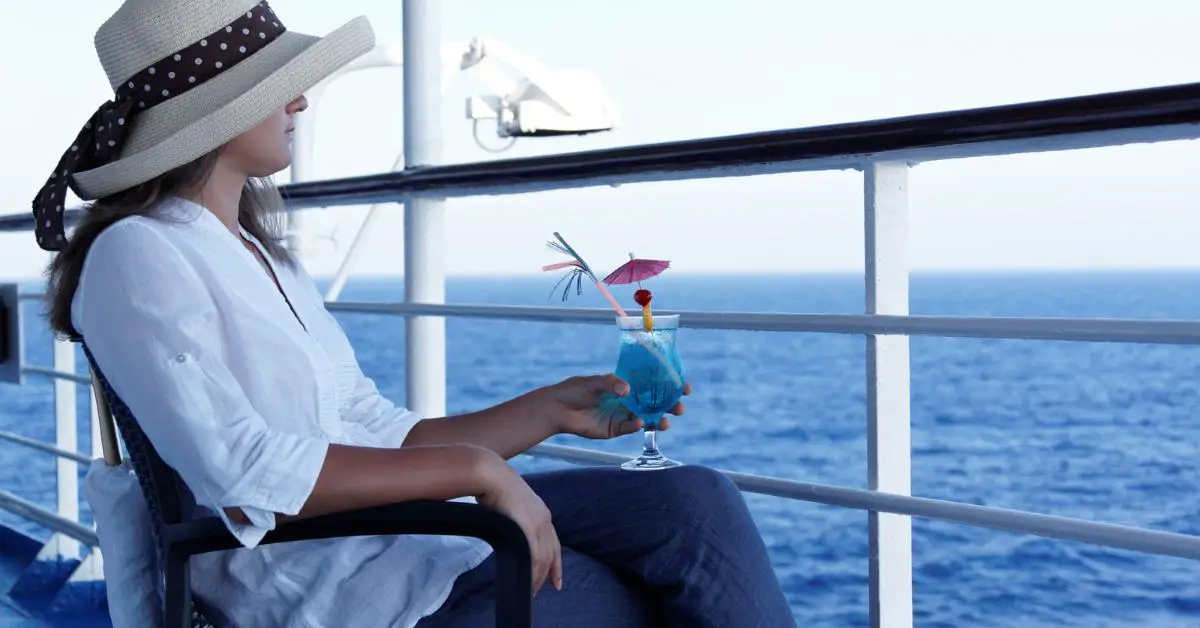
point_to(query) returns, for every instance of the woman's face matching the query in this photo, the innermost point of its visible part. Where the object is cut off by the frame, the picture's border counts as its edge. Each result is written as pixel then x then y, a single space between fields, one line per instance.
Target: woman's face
pixel 265 149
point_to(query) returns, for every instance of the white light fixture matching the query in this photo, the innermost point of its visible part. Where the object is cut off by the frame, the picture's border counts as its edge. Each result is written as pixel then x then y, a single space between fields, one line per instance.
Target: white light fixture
pixel 542 101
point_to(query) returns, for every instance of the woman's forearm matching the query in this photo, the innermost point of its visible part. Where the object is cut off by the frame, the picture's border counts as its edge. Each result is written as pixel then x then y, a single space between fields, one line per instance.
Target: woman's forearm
pixel 362 477
pixel 507 429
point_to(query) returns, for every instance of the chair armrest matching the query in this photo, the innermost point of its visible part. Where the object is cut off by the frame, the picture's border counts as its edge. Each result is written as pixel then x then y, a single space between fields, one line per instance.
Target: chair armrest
pixel 511 548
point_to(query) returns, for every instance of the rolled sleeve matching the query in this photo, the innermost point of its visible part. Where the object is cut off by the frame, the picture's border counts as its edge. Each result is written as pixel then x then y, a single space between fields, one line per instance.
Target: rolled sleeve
pixel 153 328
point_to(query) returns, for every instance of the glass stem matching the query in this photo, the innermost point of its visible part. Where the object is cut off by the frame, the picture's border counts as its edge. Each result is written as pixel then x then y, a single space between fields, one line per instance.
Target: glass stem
pixel 650 444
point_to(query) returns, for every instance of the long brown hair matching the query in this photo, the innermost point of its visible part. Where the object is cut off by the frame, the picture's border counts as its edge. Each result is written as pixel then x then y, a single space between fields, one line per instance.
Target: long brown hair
pixel 259 213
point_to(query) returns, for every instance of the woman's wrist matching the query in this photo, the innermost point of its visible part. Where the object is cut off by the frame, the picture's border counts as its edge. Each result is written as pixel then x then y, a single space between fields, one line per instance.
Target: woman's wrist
pixel 531 413
pixel 489 472
pixel 538 406
pixel 478 466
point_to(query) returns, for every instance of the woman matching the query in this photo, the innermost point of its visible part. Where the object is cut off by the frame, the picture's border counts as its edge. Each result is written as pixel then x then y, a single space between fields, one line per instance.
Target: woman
pixel 220 344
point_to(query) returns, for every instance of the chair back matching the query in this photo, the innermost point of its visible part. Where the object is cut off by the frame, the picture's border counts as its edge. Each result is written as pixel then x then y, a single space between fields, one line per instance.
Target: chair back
pixel 168 499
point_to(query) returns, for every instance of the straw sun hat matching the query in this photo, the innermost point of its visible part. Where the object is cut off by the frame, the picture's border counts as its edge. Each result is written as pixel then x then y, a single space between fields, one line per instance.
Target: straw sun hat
pixel 188 77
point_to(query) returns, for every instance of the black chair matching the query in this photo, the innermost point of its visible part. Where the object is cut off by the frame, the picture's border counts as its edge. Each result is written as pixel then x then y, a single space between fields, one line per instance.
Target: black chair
pixel 179 537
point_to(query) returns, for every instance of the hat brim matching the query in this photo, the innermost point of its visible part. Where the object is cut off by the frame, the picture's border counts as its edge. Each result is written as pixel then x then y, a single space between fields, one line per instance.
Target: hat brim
pixel 189 126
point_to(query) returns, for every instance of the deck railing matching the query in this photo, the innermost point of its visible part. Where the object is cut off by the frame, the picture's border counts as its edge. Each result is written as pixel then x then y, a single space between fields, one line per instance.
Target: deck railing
pixel 883 150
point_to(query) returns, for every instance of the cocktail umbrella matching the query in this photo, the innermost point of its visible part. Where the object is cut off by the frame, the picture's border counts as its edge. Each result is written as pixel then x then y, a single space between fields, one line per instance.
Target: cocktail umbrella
pixel 636 271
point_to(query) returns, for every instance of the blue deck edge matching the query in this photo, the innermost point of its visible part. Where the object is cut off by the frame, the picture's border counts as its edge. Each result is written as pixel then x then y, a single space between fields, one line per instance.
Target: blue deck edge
pixel 40 593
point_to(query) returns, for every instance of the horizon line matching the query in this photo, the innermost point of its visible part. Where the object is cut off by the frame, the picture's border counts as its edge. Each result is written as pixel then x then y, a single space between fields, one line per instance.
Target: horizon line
pixel 1047 270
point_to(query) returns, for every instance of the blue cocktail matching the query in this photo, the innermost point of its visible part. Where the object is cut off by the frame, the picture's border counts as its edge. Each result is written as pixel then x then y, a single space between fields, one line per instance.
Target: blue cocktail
pixel 649 362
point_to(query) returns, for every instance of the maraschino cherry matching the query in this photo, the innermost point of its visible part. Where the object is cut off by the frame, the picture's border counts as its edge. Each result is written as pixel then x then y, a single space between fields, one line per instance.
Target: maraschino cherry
pixel 643 298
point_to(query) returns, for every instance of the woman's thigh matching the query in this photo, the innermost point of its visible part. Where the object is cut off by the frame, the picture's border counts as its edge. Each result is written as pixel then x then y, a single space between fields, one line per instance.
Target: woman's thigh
pixel 596 596
pixel 685 534
pixel 616 515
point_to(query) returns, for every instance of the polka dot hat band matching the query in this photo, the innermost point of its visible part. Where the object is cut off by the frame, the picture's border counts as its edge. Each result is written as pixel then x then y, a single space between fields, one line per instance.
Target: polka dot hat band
pixel 211 108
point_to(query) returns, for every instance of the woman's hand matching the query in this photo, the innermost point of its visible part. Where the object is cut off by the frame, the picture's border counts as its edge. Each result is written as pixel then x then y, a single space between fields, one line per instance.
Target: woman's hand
pixel 509 494
pixel 590 406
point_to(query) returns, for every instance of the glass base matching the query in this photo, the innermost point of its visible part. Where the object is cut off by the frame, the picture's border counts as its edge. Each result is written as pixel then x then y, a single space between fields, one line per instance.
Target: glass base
pixel 651 458
pixel 654 463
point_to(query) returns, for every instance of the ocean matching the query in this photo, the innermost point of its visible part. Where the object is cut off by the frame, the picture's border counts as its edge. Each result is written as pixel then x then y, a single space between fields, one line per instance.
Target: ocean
pixel 1096 430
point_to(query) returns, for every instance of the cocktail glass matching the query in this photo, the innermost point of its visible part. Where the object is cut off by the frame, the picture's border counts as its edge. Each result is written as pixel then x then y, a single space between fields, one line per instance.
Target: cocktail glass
pixel 649 362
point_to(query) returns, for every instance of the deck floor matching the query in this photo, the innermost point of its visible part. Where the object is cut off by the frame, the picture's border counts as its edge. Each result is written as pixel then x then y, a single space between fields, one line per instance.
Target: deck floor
pixel 12 615
pixel 13 618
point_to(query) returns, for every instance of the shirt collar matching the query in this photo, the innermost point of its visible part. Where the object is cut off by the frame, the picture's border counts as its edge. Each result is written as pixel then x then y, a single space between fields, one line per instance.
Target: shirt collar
pixel 181 210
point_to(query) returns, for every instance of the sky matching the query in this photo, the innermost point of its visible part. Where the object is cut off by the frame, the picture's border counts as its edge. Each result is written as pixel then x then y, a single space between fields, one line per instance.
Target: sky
pixel 682 69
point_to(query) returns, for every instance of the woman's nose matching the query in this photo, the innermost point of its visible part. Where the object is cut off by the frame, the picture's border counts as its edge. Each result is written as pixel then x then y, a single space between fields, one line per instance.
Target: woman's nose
pixel 297 105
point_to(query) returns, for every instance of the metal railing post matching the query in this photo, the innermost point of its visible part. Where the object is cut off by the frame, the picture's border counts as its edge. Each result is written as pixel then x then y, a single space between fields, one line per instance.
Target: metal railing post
pixel 889 452
pixel 94 422
pixel 424 218
pixel 66 438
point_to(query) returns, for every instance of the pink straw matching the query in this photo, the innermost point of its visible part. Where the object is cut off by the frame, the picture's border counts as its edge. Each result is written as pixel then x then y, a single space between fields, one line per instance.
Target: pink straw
pixel 579 263
pixel 611 301
pixel 599 284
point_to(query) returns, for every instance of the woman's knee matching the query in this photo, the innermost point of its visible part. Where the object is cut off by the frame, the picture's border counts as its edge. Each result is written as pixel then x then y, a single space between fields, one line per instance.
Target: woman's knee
pixel 696 487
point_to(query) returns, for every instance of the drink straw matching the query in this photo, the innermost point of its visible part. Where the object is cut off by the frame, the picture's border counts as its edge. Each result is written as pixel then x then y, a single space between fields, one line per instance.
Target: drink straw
pixel 650 348
pixel 599 284
pixel 588 269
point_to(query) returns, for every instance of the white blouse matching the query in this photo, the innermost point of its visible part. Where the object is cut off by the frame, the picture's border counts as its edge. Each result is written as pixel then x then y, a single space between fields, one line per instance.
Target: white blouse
pixel 242 398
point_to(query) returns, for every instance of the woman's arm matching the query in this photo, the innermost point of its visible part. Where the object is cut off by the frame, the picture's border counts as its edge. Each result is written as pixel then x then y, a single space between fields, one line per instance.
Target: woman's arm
pixel 356 477
pixel 362 477
pixel 352 477
pixel 507 429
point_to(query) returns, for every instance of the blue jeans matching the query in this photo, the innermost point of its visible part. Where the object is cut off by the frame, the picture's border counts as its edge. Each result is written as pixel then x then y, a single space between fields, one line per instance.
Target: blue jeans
pixel 656 548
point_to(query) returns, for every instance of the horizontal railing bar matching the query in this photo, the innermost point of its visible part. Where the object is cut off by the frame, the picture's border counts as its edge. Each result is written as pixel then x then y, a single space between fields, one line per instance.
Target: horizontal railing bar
pixel 573 171
pixel 1144 115
pixel 1155 114
pixel 32 512
pixel 1074 329
pixel 1049 526
pixel 33 443
pixel 1016 328
pixel 53 374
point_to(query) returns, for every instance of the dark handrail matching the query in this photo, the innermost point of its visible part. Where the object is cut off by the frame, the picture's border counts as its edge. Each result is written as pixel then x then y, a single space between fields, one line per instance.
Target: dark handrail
pixel 1152 114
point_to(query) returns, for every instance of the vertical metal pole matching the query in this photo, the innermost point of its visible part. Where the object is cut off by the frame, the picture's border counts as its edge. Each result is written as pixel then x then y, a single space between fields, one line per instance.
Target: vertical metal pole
pixel 94 412
pixel 889 452
pixel 105 443
pixel 424 218
pixel 66 437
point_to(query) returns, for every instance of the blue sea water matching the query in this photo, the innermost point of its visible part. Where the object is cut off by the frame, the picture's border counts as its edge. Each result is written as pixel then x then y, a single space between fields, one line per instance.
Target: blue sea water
pixel 1095 430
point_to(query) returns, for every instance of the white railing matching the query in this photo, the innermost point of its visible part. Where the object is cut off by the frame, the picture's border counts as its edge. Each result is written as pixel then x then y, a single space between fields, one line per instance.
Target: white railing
pixel 1050 526
pixel 64 521
pixel 1076 329
pixel 883 150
